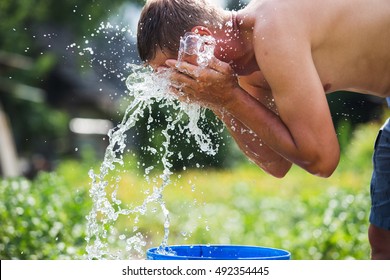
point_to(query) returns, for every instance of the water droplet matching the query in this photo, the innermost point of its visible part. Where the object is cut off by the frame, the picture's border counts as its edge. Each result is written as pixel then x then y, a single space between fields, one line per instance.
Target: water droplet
pixel 144 89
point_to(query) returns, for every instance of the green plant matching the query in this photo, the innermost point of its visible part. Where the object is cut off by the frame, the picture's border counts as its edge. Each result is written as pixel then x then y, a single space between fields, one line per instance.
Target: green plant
pixel 42 219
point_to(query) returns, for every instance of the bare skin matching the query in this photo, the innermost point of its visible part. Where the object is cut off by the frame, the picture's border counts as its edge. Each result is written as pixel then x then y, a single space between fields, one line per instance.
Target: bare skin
pixel 271 74
pixel 302 51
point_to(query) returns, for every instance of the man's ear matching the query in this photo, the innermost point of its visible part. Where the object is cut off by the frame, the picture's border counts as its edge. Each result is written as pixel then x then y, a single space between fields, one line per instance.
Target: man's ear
pixel 201 30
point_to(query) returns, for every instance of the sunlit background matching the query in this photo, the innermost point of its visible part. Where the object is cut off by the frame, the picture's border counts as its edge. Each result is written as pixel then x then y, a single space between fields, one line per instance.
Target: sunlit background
pixel 63 67
pixel 67 61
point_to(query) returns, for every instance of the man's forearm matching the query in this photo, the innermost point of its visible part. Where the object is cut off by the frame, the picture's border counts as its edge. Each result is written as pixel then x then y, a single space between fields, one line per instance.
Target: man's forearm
pixel 295 146
pixel 254 148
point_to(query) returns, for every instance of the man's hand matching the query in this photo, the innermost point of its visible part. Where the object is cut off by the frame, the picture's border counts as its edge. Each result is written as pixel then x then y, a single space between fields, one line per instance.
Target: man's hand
pixel 210 86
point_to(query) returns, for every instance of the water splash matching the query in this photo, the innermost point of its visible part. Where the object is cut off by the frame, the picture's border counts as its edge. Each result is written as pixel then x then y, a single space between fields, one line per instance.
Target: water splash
pixel 193 44
pixel 145 89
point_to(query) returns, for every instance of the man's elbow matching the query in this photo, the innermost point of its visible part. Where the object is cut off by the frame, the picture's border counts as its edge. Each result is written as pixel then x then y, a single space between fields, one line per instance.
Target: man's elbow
pixel 278 170
pixel 279 174
pixel 324 168
pixel 325 172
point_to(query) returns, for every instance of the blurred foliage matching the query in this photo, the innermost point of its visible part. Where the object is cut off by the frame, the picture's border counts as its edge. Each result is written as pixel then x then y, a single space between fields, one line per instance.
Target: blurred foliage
pixel 27 61
pixel 235 5
pixel 42 219
pixel 19 16
pixel 350 109
pixel 313 218
pixel 38 125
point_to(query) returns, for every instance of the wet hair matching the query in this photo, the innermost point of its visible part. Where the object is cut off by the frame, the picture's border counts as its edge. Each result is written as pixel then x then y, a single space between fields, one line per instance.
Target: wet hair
pixel 162 22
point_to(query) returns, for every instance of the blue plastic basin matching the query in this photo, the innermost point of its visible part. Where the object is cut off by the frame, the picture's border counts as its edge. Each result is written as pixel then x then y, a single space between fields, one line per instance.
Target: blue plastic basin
pixel 217 252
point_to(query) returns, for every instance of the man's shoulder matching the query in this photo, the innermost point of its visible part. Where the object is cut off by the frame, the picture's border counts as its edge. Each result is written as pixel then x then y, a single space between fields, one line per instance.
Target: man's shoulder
pixel 280 29
pixel 279 16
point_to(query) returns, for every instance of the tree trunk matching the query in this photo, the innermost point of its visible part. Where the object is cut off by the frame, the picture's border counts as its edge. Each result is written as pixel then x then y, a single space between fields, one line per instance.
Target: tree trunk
pixel 8 156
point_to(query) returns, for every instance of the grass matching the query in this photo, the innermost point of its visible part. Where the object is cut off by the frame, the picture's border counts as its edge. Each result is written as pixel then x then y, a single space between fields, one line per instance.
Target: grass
pixel 312 217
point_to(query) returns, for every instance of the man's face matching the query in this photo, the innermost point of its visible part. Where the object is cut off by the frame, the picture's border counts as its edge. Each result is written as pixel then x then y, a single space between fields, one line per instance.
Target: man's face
pixel 161 56
pixel 159 61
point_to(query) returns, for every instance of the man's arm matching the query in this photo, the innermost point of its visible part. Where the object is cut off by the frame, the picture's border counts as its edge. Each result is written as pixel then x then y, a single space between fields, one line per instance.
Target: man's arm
pixel 254 148
pixel 303 132
pixel 249 143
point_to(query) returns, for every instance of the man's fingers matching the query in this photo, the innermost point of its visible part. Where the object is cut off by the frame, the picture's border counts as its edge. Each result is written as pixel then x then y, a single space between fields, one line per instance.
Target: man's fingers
pixel 181 78
pixel 219 66
pixel 186 68
pixel 182 96
pixel 214 63
pixel 171 63
pixel 178 93
pixel 181 66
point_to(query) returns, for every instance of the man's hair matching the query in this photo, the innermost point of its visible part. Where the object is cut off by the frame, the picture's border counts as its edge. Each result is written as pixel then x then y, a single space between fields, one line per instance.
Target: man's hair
pixel 163 22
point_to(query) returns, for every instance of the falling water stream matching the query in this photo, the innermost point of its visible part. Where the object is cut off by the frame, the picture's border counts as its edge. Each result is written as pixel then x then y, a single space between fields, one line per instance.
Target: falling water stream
pixel 145 89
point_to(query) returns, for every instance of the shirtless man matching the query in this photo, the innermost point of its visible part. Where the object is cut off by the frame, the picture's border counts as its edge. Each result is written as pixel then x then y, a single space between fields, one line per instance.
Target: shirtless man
pixel 274 62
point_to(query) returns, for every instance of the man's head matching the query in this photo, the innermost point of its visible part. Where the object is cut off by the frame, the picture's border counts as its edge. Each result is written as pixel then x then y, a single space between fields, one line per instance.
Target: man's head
pixel 163 22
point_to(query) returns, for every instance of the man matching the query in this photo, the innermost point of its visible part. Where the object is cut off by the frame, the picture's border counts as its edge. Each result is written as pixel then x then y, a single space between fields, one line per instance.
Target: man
pixel 274 62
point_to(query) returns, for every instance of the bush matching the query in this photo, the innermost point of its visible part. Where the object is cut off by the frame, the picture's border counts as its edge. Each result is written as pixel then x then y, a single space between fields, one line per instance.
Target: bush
pixel 42 219
pixel 326 222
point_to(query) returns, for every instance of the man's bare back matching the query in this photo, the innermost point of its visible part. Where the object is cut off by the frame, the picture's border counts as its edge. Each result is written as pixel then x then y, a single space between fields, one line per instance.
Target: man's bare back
pixel 349 40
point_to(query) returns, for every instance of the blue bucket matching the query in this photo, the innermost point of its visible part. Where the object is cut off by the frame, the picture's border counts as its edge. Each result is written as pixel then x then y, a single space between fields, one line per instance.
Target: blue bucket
pixel 216 252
